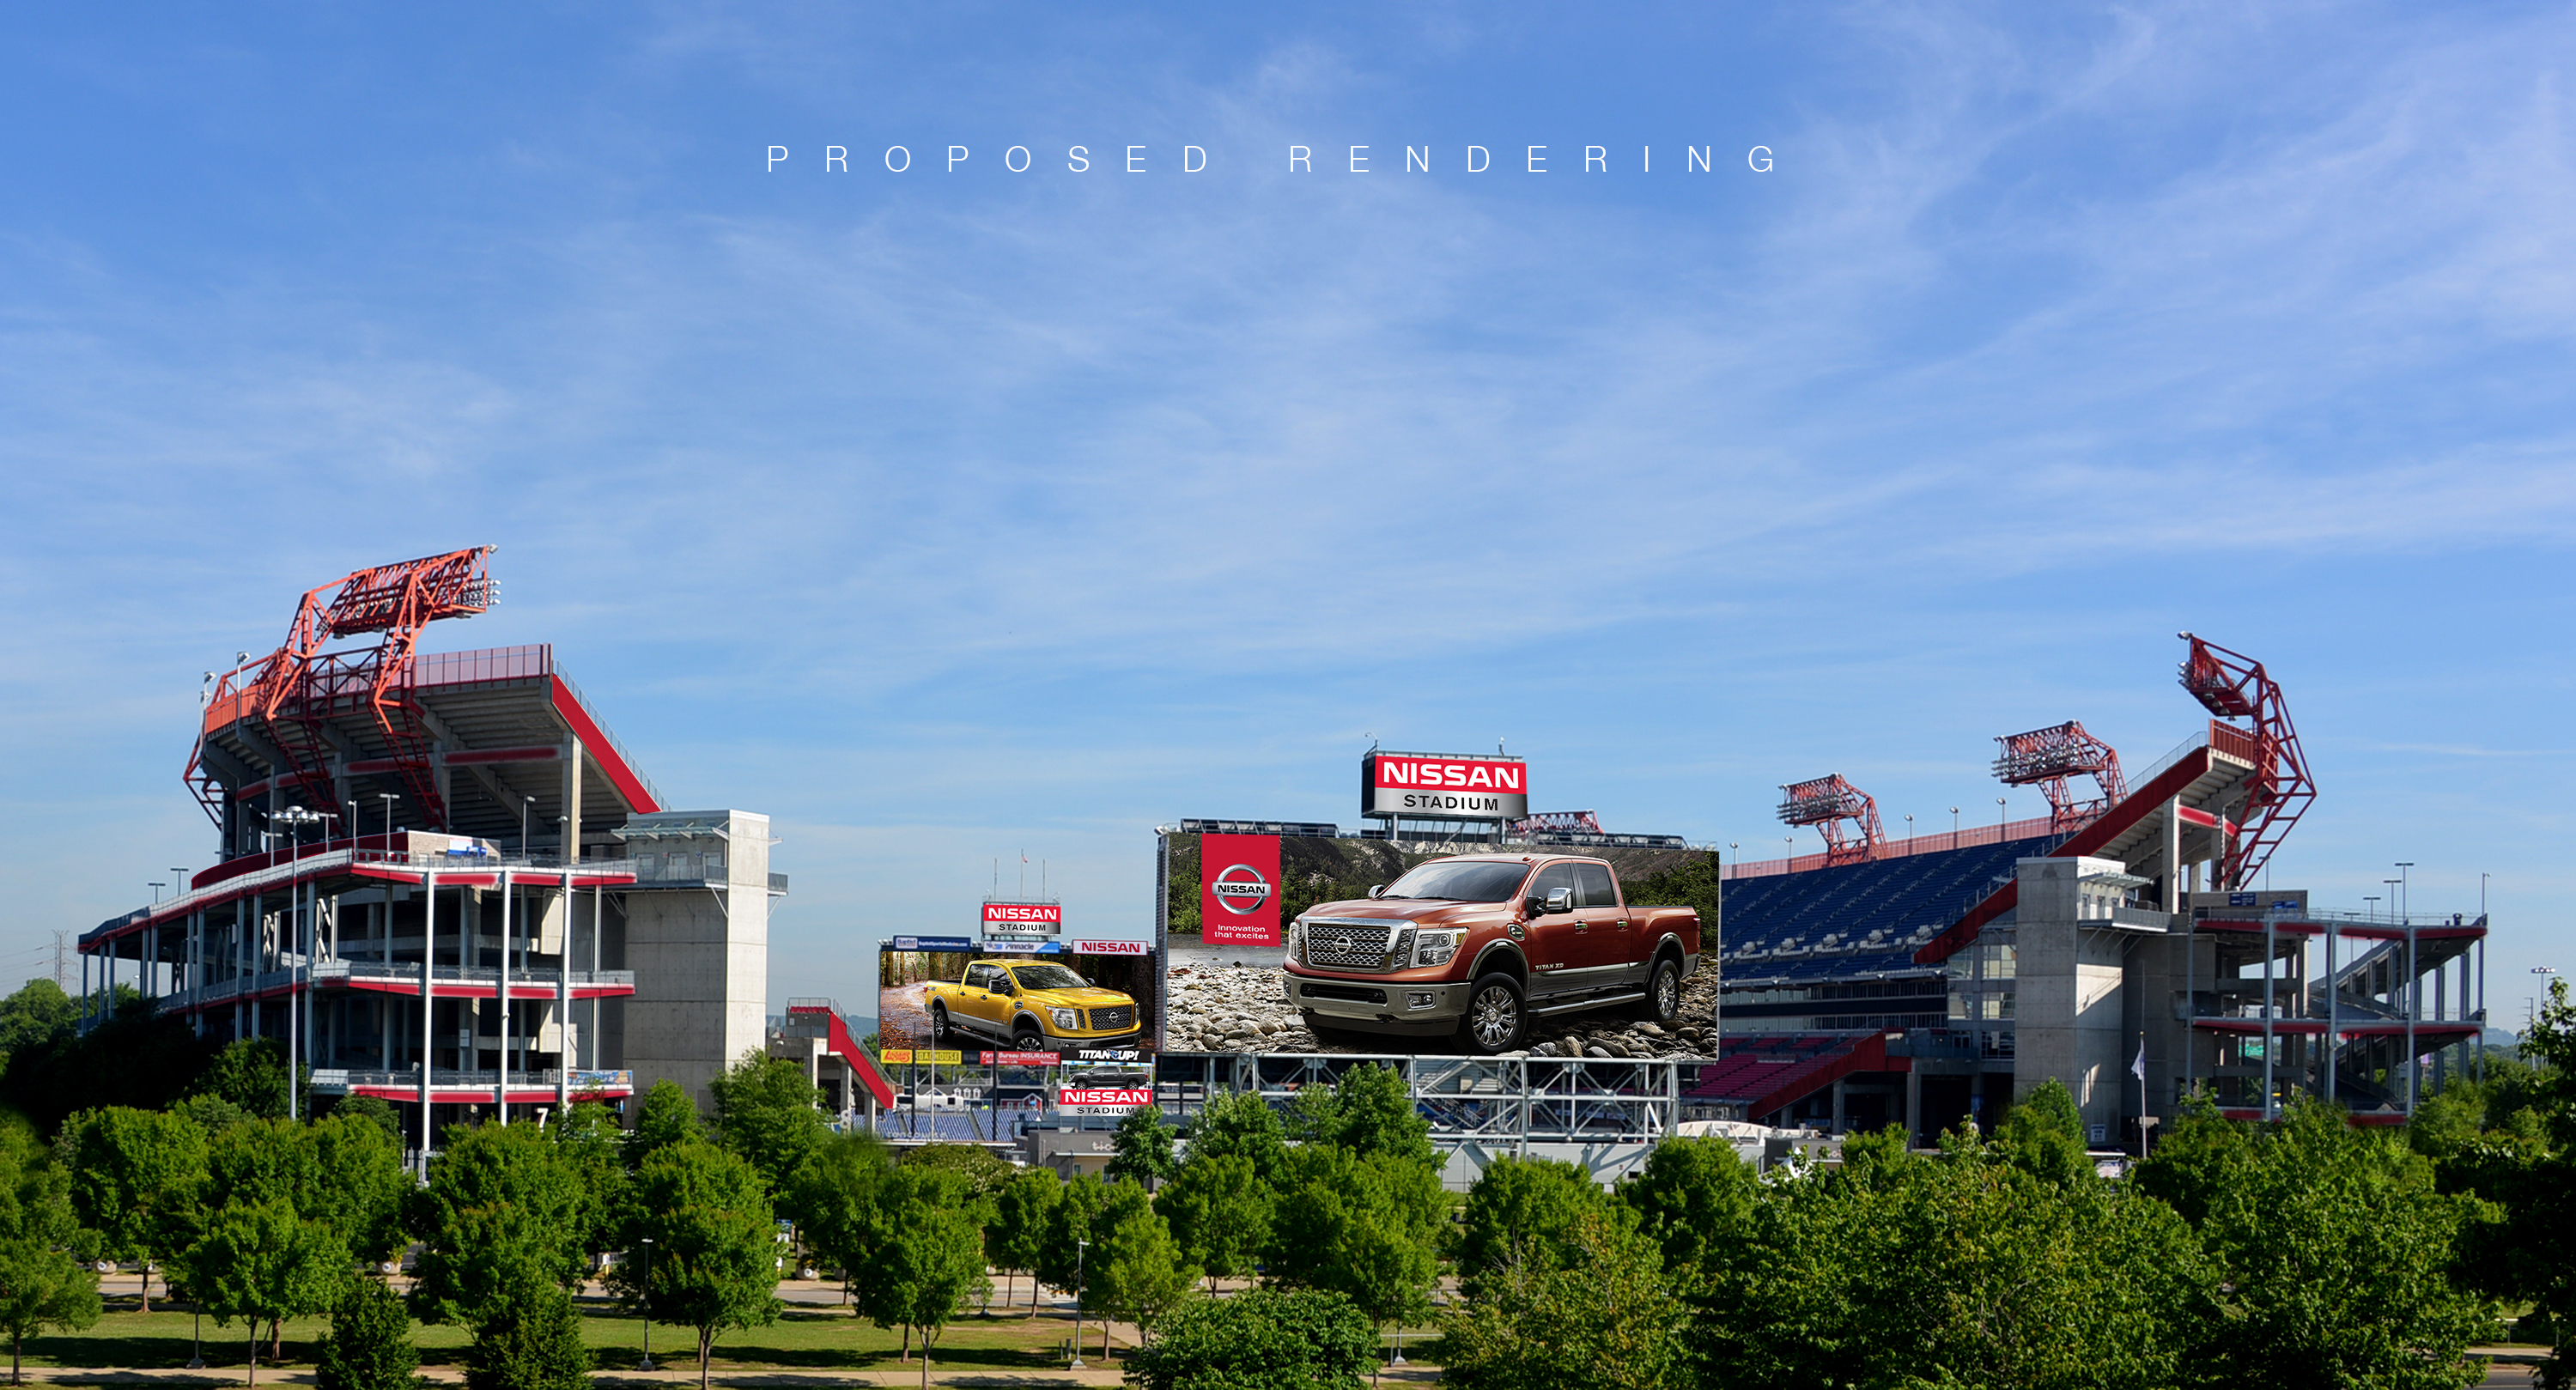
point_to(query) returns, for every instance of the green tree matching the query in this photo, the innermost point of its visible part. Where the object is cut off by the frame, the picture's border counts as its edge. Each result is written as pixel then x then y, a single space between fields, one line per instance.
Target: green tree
pixel 1242 1123
pixel 2523 1159
pixel 1599 1311
pixel 1692 1193
pixel 834 1198
pixel 213 1114
pixel 1142 1147
pixel 1367 1111
pixel 501 1213
pixel 37 1015
pixel 532 1343
pixel 250 1073
pixel 986 1173
pixel 589 1144
pixel 770 1112
pixel 2197 1161
pixel 926 1258
pixel 1219 1211
pixel 1016 1236
pixel 2045 1136
pixel 1262 1340
pixel 369 1346
pixel 133 1172
pixel 1143 1273
pixel 666 1117
pixel 359 1183
pixel 1363 1225
pixel 715 1244
pixel 1062 1262
pixel 374 1111
pixel 2337 1248
pixel 1522 1216
pixel 261 1262
pixel 42 1282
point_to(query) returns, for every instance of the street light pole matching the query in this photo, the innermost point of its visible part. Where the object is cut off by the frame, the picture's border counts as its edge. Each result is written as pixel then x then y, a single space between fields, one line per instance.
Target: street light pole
pixel 646 1286
pixel 1080 1248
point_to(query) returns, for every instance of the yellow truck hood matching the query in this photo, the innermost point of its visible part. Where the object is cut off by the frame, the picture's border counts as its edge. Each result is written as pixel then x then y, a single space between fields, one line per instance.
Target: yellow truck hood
pixel 1086 998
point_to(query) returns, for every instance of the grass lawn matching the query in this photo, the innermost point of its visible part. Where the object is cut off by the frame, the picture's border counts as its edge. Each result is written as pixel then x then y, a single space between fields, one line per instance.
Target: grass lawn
pixel 803 1337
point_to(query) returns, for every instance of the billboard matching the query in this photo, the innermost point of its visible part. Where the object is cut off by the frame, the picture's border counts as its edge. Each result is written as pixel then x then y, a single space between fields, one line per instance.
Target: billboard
pixel 1003 917
pixel 1239 889
pixel 1018 998
pixel 1443 786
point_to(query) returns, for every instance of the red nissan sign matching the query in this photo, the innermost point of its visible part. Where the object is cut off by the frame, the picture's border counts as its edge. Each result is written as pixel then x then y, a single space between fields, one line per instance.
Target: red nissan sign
pixel 1023 919
pixel 1437 786
pixel 1099 1100
pixel 1239 890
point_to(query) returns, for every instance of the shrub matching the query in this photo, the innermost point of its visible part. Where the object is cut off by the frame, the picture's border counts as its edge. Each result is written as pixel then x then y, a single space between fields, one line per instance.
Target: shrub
pixel 369 1346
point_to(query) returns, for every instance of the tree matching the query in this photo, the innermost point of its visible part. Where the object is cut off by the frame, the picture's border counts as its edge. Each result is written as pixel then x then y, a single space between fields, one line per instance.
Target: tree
pixel 358 1182
pixel 769 1111
pixel 1692 1193
pixel 986 1173
pixel 261 1262
pixel 834 1199
pixel 501 1213
pixel 666 1117
pixel 715 1244
pixel 2045 1136
pixel 250 1073
pixel 1242 1123
pixel 1219 1211
pixel 533 1343
pixel 1062 1263
pixel 1143 1147
pixel 1261 1340
pixel 589 1145
pixel 1522 1216
pixel 1367 1111
pixel 1143 1274
pixel 37 1015
pixel 132 1172
pixel 369 1346
pixel 1600 1311
pixel 1363 1225
pixel 42 1283
pixel 374 1111
pixel 927 1255
pixel 1016 1235
pixel 2337 1248
pixel 2197 1161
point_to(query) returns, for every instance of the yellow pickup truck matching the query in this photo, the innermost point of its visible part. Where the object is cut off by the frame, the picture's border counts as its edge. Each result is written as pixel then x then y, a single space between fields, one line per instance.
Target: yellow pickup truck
pixel 1031 1006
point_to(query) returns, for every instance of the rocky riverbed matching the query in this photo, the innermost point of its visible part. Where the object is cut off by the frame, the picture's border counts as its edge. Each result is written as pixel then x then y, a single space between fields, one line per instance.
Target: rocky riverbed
pixel 1246 1009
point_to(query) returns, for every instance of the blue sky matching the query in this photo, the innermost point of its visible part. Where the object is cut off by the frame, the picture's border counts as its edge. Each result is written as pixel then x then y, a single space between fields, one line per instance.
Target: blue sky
pixel 949 514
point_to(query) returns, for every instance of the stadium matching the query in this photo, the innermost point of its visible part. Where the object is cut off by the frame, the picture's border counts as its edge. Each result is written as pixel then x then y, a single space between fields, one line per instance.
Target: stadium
pixel 443 882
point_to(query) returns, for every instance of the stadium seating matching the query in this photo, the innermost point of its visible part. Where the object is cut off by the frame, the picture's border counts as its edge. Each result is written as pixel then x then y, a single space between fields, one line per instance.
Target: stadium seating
pixel 1905 899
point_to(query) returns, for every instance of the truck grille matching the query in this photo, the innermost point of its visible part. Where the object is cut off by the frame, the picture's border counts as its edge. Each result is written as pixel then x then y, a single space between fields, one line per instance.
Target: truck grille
pixel 1112 1019
pixel 1348 946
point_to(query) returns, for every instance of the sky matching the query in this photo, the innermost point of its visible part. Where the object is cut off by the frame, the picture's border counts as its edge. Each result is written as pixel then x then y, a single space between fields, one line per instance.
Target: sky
pixel 995 506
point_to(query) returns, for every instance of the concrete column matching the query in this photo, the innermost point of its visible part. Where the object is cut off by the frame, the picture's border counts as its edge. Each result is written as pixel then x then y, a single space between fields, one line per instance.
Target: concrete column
pixel 563 984
pixel 1840 1122
pixel 1913 1106
pixel 501 993
pixel 2173 855
pixel 428 1013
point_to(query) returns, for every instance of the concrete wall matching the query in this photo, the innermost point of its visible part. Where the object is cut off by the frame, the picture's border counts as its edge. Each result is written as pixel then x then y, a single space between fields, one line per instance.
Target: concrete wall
pixel 2069 1001
pixel 699 949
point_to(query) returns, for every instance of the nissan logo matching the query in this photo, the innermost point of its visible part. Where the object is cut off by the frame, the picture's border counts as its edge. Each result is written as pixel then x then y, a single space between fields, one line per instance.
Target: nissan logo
pixel 1241 889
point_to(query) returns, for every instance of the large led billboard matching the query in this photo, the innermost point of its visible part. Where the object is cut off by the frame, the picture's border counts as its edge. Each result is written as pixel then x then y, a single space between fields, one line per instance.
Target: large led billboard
pixel 1353 972
pixel 1443 786
pixel 1079 998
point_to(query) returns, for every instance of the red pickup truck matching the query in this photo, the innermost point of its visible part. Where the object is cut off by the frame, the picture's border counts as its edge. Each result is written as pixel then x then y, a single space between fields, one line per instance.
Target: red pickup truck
pixel 1476 945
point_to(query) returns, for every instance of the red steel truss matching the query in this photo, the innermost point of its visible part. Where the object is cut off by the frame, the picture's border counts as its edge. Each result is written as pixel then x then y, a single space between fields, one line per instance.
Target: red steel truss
pixel 2049 759
pixel 1825 803
pixel 1558 822
pixel 2232 685
pixel 296 691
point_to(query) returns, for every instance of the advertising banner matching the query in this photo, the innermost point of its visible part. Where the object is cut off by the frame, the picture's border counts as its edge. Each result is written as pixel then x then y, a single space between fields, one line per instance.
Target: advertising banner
pixel 1239 890
pixel 1103 1100
pixel 1441 786
pixel 1022 919
pixel 1018 997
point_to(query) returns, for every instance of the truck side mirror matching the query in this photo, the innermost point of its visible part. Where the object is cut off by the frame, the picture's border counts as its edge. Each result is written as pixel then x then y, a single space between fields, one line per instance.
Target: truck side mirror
pixel 1377 889
pixel 1560 900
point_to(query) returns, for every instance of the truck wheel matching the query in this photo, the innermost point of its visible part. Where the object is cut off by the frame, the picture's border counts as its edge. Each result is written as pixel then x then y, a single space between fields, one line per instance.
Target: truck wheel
pixel 939 1030
pixel 1496 1016
pixel 1663 1001
pixel 1026 1038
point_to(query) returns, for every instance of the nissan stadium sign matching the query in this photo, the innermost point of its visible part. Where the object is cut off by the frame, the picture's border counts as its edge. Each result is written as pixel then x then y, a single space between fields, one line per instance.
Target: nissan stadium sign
pixel 1440 786
pixel 1022 919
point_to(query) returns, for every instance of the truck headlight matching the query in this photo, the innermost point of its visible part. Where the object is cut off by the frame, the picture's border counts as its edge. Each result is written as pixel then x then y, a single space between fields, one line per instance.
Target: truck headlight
pixel 1435 947
pixel 1296 941
pixel 1067 1020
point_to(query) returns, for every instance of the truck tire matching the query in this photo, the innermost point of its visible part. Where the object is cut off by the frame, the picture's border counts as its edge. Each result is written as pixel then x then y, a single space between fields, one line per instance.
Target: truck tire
pixel 940 1032
pixel 1497 1015
pixel 1027 1038
pixel 1663 1001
